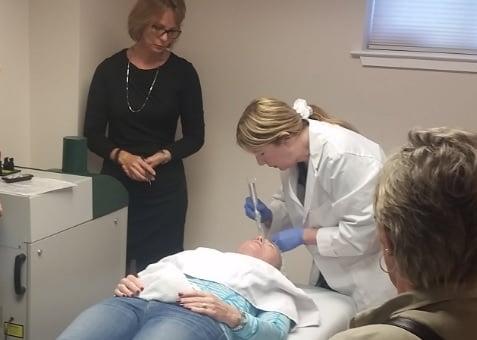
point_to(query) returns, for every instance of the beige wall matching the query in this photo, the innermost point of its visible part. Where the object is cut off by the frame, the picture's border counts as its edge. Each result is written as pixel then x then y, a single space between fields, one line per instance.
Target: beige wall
pixel 103 32
pixel 242 49
pixel 288 49
pixel 48 52
pixel 54 62
pixel 14 81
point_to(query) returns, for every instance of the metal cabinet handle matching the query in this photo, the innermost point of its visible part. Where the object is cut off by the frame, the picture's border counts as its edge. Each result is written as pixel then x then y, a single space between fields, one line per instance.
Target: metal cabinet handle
pixel 17 274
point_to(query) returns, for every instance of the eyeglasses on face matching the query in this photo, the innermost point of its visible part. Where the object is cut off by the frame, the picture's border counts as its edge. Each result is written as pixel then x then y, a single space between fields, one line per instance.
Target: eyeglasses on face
pixel 159 31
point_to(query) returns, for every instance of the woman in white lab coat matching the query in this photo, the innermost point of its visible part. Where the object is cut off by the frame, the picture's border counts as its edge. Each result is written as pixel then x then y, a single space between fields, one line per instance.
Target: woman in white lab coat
pixel 328 175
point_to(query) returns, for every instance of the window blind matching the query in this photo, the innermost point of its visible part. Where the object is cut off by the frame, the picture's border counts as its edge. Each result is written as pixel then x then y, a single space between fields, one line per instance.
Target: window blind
pixel 448 26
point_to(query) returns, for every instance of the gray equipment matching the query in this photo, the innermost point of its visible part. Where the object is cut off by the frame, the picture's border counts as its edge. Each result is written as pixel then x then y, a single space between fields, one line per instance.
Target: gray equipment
pixel 59 253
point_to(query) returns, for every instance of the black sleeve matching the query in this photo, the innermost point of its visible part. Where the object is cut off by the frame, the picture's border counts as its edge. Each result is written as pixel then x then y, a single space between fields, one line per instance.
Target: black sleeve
pixel 96 118
pixel 191 115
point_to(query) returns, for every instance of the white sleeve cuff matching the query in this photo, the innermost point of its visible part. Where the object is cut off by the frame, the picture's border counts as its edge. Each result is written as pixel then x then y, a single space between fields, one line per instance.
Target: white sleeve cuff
pixel 324 241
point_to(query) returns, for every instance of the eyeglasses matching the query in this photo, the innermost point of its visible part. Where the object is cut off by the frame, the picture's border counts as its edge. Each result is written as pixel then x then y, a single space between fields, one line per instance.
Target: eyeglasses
pixel 159 31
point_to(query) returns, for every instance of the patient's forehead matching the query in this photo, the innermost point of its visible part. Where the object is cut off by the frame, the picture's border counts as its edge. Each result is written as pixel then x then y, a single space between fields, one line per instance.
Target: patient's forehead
pixel 263 250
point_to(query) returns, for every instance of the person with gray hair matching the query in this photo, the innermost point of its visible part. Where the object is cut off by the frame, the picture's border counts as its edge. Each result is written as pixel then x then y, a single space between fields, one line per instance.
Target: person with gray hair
pixel 426 212
pixel 202 294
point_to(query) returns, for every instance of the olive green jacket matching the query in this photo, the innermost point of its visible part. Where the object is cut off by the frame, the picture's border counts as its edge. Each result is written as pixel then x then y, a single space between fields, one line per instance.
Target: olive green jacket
pixel 452 315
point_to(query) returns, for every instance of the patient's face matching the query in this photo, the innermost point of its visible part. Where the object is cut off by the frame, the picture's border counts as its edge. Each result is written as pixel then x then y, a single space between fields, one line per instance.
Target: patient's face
pixel 262 249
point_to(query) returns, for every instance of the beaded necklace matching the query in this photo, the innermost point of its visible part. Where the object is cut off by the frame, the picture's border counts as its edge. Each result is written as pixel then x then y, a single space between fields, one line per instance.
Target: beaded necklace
pixel 148 93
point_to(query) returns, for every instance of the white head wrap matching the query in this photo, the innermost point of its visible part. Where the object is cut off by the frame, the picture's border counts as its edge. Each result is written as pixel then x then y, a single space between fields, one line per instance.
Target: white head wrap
pixel 303 109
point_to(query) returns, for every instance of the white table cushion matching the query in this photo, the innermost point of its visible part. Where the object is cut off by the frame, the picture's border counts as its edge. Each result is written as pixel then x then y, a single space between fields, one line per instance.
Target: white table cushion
pixel 335 309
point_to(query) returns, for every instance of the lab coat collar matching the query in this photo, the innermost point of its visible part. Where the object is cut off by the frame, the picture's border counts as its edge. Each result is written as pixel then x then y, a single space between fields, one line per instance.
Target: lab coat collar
pixel 291 179
pixel 316 143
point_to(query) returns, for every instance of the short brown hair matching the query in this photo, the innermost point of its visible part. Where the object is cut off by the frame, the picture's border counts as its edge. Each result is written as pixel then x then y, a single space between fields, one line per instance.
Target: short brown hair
pixel 426 203
pixel 141 13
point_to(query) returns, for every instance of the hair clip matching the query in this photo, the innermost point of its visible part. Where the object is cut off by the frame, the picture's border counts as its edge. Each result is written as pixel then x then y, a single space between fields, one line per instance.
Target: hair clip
pixel 302 108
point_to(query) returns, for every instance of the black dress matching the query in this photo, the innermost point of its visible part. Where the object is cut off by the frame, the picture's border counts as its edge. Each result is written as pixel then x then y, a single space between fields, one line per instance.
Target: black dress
pixel 156 212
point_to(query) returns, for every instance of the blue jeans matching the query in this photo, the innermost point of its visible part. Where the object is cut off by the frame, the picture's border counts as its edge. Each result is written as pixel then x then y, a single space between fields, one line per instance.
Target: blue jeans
pixel 121 318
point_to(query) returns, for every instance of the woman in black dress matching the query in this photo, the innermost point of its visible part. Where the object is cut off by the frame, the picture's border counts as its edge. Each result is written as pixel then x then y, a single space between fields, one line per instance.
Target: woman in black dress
pixel 135 101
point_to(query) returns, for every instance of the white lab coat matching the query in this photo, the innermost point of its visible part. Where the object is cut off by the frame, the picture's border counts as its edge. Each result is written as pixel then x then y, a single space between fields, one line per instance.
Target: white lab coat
pixel 341 178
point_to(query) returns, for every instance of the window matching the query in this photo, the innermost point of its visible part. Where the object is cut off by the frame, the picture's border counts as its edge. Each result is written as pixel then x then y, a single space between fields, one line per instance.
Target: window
pixel 424 25
pixel 434 30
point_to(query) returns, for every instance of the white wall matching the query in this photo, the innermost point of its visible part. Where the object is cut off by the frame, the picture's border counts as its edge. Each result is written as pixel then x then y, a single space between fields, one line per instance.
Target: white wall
pixel 241 49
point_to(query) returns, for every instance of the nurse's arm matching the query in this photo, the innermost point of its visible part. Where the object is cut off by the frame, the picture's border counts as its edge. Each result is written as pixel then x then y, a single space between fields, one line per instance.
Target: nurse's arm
pixel 309 236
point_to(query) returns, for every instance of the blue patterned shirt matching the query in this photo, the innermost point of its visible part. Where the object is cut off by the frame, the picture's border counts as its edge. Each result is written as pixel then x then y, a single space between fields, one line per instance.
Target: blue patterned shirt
pixel 260 324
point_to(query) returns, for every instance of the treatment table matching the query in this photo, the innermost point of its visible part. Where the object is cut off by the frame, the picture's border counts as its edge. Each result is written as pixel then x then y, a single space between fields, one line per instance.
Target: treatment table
pixel 335 312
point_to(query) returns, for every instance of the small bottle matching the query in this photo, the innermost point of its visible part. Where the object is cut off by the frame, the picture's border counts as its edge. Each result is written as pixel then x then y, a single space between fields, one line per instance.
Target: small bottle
pixel 6 163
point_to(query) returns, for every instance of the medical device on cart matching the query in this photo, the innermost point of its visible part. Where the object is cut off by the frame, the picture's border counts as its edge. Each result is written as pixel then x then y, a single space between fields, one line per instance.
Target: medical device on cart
pixel 62 249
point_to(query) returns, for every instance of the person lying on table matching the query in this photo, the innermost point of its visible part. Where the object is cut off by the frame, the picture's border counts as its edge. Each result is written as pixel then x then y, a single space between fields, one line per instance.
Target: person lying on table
pixel 202 294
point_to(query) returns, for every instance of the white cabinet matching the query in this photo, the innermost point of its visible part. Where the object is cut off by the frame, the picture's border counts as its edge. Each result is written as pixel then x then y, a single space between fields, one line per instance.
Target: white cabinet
pixel 65 259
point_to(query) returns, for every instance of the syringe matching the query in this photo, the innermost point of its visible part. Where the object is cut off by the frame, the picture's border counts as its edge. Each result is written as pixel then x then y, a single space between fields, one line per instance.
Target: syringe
pixel 258 218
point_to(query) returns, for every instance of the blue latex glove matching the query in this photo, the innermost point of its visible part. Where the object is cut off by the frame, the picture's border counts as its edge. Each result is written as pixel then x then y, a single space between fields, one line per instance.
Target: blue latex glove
pixel 288 239
pixel 265 213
